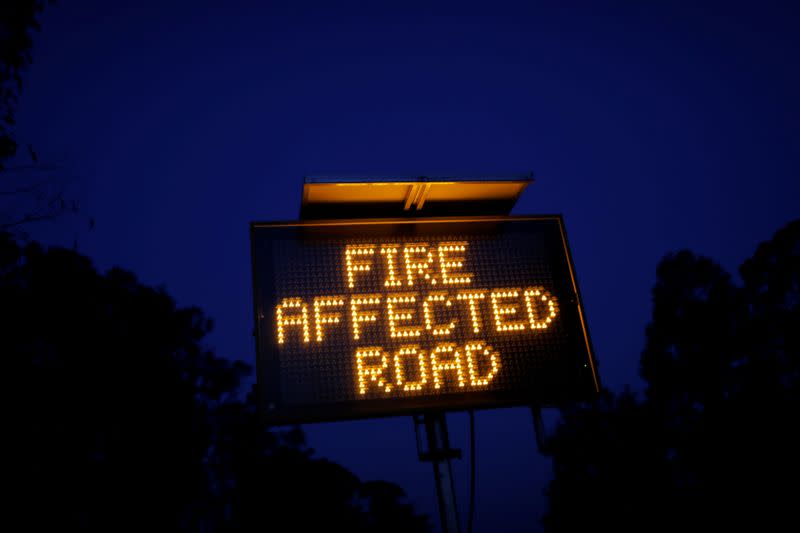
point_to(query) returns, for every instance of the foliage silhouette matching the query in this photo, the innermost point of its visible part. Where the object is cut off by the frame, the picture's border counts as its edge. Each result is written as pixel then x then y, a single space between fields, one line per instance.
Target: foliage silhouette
pixel 304 493
pixel 31 192
pixel 18 19
pixel 125 421
pixel 712 444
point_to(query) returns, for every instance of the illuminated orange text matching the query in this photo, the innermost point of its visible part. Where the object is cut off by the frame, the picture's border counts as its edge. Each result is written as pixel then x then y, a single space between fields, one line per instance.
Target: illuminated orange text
pixel 417 318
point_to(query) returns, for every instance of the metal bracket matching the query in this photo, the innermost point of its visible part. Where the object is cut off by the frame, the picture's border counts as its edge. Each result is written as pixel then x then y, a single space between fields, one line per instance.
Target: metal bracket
pixel 417 193
pixel 427 450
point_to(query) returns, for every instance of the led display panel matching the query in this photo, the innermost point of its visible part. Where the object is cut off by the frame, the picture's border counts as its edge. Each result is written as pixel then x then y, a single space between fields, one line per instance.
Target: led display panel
pixel 387 317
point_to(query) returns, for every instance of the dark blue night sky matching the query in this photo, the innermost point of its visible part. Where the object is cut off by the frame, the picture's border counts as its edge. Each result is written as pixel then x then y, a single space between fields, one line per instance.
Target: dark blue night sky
pixel 650 128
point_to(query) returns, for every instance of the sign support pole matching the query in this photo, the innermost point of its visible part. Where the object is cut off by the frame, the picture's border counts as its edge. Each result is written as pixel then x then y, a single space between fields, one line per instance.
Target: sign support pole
pixel 538 427
pixel 439 454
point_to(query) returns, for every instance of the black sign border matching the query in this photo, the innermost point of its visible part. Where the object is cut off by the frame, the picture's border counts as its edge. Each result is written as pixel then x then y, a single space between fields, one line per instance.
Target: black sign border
pixel 411 406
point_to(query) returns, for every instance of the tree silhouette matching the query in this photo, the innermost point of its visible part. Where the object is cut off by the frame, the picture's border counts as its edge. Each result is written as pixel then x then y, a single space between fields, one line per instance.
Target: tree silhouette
pixel 304 493
pixel 18 19
pixel 30 192
pixel 712 444
pixel 124 421
pixel 114 390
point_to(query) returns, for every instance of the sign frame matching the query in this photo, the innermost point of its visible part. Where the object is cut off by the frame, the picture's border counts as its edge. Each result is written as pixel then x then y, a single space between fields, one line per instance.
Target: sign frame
pixel 410 405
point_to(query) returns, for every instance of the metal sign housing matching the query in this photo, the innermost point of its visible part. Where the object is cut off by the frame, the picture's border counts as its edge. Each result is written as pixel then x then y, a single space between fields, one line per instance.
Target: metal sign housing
pixel 365 318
